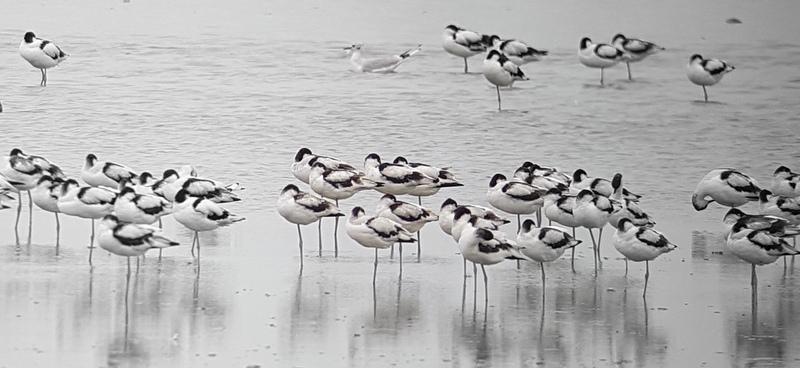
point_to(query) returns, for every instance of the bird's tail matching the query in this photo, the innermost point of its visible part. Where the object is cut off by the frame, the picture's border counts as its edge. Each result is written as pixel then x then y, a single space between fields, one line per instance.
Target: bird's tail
pixel 411 52
pixel 161 241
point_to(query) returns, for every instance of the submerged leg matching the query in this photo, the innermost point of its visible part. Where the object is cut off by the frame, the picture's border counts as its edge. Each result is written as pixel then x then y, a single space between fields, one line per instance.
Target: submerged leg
pixel 594 250
pixel 400 257
pixel 705 94
pixel 319 231
pixel 599 239
pixel 58 232
pixel 519 227
pixel 466 67
pixel 601 75
pixel 30 217
pixel 626 267
pixel 160 226
pixel 19 213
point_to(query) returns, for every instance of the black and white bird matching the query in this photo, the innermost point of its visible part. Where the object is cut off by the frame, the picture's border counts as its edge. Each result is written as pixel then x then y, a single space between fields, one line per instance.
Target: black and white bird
pixel 396 179
pixel 41 54
pixel 592 212
pixel 143 209
pixel 706 72
pixel 444 175
pixel 20 174
pixel 728 187
pixel 200 214
pixel 757 247
pixel 46 195
pixel 172 182
pixel 130 240
pixel 338 184
pixel 785 182
pixel 599 55
pixel 630 209
pixel 514 197
pixel 640 243
pixel 544 177
pixel 559 207
pixel 301 166
pixel 545 243
pixel 86 202
pixel 774 225
pixel 607 188
pixel 385 64
pixel 48 168
pixel 487 247
pixel 301 208
pixel 517 51
pixel 501 72
pixel 462 43
pixel 105 174
pixel 635 49
pixel 410 216
pixel 785 207
pixel 447 210
pixel 375 232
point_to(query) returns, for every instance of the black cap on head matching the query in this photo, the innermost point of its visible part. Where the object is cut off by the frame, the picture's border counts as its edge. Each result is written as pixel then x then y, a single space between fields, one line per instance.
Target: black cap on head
pixel 452 27
pixel 16 152
pixel 527 225
pixel 585 42
pixel 400 160
pixel 461 211
pixel 289 187
pixel 45 179
pixel 170 172
pixel 576 176
pixel 388 197
pixel 484 234
pixel 585 192
pixel 449 202
pixel 616 182
pixel 496 178
pixel 555 190
pixel 301 153
pixel 617 36
pixel 111 218
pixel 373 156
pixel 357 211
pixel 126 190
pixel 764 195
pixel 91 158
pixel 29 36
pixel 780 169
pixel 181 196
pixel 695 56
pixel 621 223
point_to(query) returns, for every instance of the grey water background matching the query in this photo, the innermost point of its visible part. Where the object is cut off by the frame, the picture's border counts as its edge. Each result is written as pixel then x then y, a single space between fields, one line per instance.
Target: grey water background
pixel 235 88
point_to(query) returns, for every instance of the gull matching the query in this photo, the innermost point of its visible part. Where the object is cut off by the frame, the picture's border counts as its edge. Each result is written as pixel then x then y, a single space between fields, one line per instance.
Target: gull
pixel 706 72
pixel 635 49
pixel 598 55
pixel 41 54
pixel 462 43
pixel 378 65
pixel 301 208
pixel 640 243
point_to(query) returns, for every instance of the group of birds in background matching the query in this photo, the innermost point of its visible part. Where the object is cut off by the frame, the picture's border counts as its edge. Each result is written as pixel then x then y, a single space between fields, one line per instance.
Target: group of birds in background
pixel 127 203
pixel 576 200
pixel 759 239
pixel 501 67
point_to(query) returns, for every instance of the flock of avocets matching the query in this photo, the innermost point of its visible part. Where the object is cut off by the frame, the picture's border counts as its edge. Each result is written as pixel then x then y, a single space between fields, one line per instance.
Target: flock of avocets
pixel 129 203
pixel 501 67
pixel 572 201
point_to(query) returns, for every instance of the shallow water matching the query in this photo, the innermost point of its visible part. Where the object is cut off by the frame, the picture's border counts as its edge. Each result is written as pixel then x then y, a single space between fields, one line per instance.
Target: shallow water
pixel 237 88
